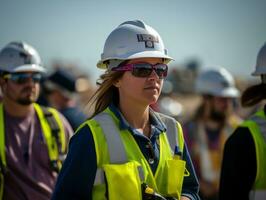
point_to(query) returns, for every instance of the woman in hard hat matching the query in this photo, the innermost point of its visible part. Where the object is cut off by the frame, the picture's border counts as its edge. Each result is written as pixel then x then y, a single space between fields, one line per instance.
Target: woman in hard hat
pixel 126 150
pixel 243 173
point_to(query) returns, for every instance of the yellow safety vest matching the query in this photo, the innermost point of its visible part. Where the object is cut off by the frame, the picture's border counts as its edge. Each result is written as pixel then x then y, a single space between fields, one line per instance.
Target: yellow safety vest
pixel 121 163
pixel 50 138
pixel 257 127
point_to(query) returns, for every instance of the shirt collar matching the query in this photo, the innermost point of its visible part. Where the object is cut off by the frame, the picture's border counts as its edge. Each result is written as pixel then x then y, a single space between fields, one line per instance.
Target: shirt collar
pixel 123 124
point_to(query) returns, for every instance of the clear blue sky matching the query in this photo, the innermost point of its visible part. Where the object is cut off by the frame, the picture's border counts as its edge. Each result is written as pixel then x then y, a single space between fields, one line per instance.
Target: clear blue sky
pixel 217 32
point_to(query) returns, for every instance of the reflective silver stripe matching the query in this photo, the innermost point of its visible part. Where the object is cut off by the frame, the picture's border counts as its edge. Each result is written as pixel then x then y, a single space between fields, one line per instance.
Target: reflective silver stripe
pixel 171 131
pixel 115 145
pixel 141 173
pixel 261 122
pixel 99 177
pixel 257 195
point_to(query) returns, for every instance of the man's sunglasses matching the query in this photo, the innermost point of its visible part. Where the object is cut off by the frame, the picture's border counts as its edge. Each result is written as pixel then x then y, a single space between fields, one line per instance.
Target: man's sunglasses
pixel 144 69
pixel 21 78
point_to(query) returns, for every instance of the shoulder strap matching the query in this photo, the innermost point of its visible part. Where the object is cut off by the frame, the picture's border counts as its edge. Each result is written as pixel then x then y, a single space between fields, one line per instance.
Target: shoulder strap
pixel 2 140
pixel 116 148
pixel 3 165
pixel 113 139
pixel 53 134
pixel 261 122
pixel 53 125
pixel 171 132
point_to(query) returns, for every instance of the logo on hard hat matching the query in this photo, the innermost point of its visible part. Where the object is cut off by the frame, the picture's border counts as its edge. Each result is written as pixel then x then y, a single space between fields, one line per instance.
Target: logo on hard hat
pixel 148 39
pixel 26 57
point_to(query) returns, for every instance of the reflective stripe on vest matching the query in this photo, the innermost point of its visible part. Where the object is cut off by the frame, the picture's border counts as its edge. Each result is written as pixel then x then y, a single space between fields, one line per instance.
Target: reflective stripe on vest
pixel 115 145
pixel 171 131
pixel 114 142
pixel 257 128
pixel 50 141
pixel 261 122
pixel 257 195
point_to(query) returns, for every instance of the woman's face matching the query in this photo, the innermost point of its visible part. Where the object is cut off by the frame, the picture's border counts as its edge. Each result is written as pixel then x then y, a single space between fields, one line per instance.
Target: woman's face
pixel 140 90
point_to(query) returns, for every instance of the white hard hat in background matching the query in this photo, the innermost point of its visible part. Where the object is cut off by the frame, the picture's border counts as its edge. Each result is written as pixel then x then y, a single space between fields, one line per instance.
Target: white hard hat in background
pixel 130 40
pixel 216 82
pixel 19 57
pixel 261 62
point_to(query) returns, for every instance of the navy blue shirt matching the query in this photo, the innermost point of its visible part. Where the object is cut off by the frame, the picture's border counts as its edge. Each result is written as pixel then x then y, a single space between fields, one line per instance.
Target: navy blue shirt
pixel 76 178
pixel 239 167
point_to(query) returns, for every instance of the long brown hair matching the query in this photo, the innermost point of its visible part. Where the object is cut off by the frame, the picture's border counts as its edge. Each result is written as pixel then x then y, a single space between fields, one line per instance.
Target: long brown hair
pixel 106 93
pixel 253 95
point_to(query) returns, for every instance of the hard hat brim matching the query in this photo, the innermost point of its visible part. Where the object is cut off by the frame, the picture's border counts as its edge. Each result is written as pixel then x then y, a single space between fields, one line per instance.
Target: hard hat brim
pixel 146 54
pixel 29 68
pixel 229 92
pixel 258 72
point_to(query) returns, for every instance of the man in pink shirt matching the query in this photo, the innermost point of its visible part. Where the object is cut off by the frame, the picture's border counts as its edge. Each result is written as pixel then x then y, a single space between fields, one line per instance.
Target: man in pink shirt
pixel 33 139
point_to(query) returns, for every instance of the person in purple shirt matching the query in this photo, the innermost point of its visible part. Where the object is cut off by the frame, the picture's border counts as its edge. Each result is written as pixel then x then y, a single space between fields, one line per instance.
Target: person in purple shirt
pixel 31 148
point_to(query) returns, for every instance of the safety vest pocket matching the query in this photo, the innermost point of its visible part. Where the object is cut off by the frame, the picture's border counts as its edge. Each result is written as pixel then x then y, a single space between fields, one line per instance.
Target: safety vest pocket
pixel 175 177
pixel 123 181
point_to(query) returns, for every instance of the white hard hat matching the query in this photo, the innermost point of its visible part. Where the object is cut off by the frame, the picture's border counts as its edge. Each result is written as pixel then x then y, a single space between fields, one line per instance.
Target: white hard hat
pixel 19 57
pixel 216 82
pixel 261 62
pixel 130 40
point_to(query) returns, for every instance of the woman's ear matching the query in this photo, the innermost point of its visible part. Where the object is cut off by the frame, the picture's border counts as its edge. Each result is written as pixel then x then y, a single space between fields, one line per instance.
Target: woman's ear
pixel 117 83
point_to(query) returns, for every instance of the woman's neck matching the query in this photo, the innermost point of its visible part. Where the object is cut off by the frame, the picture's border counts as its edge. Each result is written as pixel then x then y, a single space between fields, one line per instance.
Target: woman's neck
pixel 136 116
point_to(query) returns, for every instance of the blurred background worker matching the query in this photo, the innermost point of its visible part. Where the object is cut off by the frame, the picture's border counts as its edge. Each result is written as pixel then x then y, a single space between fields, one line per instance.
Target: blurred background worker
pixel 212 123
pixel 60 89
pixel 243 174
pixel 33 139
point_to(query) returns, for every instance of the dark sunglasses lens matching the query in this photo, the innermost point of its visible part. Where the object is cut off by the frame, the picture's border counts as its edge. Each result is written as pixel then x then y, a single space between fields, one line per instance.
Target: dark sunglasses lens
pixel 142 70
pixel 23 78
pixel 145 70
pixel 36 78
pixel 161 70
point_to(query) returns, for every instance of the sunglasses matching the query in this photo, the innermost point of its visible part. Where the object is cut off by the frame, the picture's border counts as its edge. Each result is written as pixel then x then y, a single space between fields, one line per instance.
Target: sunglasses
pixel 144 69
pixel 21 78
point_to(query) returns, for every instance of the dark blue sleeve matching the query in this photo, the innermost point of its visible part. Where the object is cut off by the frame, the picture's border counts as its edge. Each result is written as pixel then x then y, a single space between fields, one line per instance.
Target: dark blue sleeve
pixel 76 178
pixel 190 185
pixel 239 166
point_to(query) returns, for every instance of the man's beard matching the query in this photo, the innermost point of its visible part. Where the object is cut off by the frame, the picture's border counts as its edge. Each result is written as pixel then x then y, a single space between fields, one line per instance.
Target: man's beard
pixel 25 102
pixel 218 116
pixel 28 99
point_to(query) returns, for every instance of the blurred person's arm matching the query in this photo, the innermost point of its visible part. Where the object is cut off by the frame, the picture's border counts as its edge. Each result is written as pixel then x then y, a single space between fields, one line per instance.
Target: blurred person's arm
pixel 239 166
